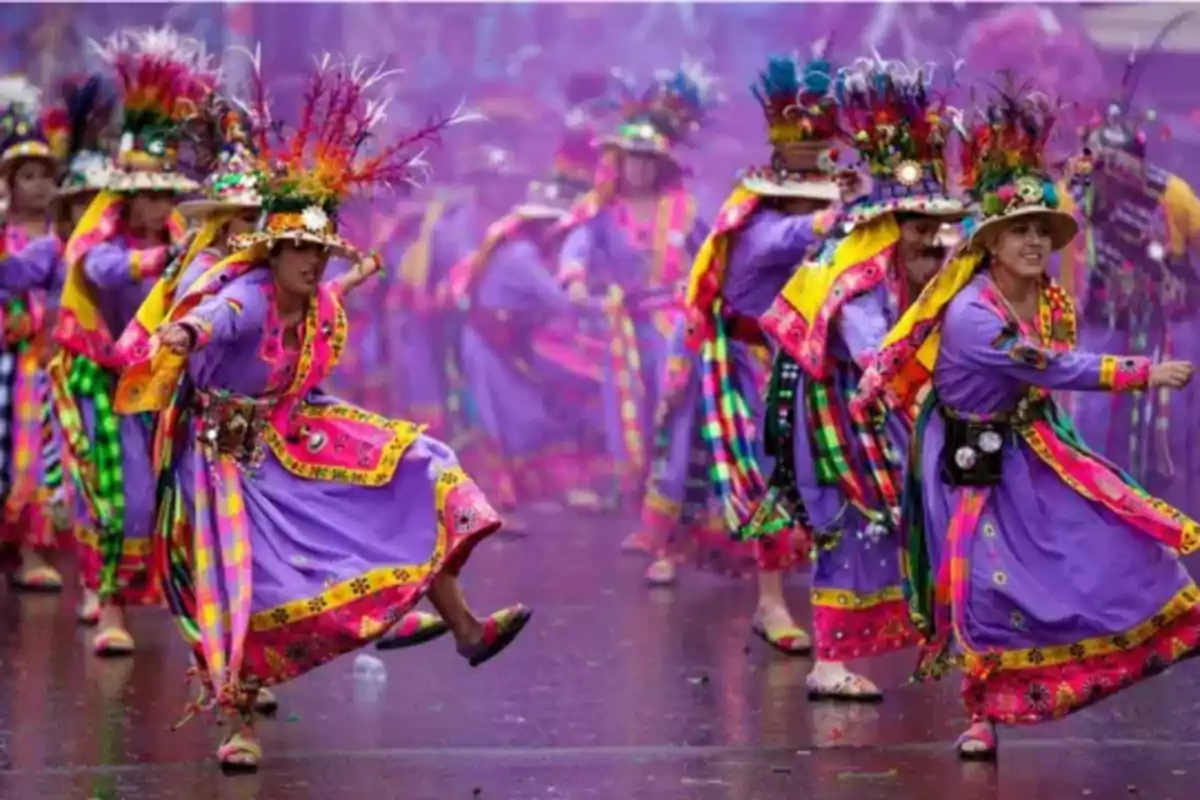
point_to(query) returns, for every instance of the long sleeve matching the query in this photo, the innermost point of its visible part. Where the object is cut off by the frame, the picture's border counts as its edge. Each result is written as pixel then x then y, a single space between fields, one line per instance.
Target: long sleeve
pixel 35 267
pixel 772 236
pixel 862 324
pixel 226 316
pixel 975 333
pixel 109 266
pixel 575 254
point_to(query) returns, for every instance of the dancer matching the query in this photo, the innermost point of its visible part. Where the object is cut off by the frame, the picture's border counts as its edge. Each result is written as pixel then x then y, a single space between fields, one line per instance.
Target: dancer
pixel 630 241
pixel 1046 573
pixel 842 469
pixel 711 413
pixel 1137 273
pixel 79 129
pixel 126 238
pixel 30 263
pixel 296 528
pixel 511 302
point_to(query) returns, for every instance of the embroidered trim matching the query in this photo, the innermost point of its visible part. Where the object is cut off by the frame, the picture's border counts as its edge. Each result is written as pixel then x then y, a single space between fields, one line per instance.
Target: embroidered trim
pixel 1124 373
pixel 841 634
pixel 473 520
pixel 846 599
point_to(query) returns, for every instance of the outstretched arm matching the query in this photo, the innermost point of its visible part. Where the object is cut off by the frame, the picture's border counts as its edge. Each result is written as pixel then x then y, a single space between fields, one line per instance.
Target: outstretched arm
pixel 108 265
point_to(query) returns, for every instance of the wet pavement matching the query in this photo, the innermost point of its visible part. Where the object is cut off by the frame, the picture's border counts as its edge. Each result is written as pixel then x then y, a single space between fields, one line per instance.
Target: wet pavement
pixel 614 692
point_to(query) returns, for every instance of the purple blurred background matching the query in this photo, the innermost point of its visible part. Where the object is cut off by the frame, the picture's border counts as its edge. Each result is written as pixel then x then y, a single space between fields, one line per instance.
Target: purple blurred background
pixel 450 51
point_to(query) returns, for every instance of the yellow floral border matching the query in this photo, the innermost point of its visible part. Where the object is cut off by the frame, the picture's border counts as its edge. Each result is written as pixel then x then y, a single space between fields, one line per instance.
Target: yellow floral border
pixel 86 537
pixel 373 581
pixel 1040 657
pixel 846 600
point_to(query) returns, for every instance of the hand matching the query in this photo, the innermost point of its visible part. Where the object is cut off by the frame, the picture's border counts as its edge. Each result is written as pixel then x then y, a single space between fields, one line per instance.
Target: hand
pixel 177 338
pixel 367 267
pixel 577 292
pixel 1171 375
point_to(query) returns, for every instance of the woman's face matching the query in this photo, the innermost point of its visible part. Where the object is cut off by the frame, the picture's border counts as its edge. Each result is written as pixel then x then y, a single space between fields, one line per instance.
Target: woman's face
pixel 32 186
pixel 920 252
pixel 149 211
pixel 1022 247
pixel 299 266
pixel 639 171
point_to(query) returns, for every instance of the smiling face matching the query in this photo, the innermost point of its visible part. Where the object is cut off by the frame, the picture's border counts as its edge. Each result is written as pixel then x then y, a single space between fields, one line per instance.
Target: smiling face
pixel 1022 247
pixel 299 266
pixel 31 185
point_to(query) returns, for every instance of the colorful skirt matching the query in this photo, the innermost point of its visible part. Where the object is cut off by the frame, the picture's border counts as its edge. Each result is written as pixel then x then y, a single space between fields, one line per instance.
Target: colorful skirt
pixel 331 565
pixel 1055 600
pixel 683 517
pixel 857 589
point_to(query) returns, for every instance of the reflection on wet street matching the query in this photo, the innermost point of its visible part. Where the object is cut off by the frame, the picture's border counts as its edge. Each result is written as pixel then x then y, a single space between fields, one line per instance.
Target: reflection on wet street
pixel 615 692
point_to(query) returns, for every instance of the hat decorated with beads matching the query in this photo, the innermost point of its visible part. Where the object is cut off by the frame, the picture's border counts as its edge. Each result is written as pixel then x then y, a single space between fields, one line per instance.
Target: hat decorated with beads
pixel 165 79
pixel 1004 166
pixel 79 129
pixel 303 177
pixel 21 132
pixel 666 113
pixel 891 115
pixel 801 118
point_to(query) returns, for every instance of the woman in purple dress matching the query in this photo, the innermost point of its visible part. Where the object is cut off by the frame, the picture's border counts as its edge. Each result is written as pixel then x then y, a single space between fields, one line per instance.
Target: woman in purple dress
pixel 1045 572
pixel 30 258
pixel 125 239
pixel 296 528
pixel 630 243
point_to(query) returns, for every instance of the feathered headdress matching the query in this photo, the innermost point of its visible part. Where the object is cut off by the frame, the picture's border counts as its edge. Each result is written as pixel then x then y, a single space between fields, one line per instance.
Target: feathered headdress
pixel 802 121
pixel 303 176
pixel 796 101
pixel 165 79
pixel 665 114
pixel 1004 163
pixel 21 131
pixel 899 125
pixel 222 139
pixel 78 128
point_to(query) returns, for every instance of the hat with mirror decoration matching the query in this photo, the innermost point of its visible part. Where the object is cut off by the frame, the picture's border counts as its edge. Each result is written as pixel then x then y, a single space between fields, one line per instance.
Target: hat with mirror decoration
pixel 303 174
pixel 22 135
pixel 801 117
pixel 1004 165
pixel 666 114
pixel 82 131
pixel 165 79
pixel 891 115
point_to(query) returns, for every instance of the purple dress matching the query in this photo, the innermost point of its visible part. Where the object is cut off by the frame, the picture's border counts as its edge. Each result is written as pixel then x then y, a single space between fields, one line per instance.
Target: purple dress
pixel 647 266
pixel 509 298
pixel 29 269
pixel 844 472
pixel 1055 581
pixel 321 524
pixel 683 512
